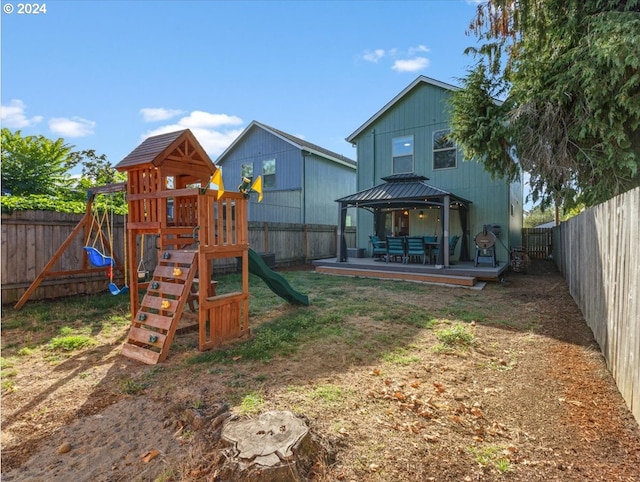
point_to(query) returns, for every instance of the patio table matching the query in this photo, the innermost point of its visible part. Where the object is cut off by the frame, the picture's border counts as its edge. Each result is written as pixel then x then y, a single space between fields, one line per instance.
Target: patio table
pixel 429 246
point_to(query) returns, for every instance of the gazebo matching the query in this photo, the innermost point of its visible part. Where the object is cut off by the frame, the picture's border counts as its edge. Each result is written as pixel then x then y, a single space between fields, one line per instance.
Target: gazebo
pixel 402 192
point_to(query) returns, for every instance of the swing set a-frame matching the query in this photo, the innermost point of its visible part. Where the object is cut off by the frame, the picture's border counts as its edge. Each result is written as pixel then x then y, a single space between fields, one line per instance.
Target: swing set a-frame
pixel 92 228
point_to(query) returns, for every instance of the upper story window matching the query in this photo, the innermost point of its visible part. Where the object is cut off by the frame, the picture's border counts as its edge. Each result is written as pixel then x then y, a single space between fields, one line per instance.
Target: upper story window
pixel 269 173
pixel 247 170
pixel 445 152
pixel 402 154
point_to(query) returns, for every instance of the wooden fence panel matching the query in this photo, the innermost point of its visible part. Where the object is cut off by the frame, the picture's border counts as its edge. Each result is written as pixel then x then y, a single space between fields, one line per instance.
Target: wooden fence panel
pixel 537 242
pixel 598 253
pixel 30 239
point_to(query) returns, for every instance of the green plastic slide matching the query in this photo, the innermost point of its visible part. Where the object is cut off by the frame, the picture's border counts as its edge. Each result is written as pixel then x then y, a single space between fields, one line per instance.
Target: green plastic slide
pixel 275 281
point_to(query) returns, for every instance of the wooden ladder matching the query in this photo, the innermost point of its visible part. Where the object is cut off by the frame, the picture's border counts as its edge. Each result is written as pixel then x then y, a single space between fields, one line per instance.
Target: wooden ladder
pixel 155 324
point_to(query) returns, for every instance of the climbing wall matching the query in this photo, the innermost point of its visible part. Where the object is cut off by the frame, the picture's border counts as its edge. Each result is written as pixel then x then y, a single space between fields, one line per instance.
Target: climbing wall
pixel 155 323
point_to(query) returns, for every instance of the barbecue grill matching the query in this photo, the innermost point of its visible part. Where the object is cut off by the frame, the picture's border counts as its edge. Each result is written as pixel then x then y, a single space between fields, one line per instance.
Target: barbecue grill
pixel 486 246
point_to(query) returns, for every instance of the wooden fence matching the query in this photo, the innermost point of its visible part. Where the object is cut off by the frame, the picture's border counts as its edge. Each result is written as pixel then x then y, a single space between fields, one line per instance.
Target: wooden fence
pixel 537 242
pixel 598 252
pixel 30 238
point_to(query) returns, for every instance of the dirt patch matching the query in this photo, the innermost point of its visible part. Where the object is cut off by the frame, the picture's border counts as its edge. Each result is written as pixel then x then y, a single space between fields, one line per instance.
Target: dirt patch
pixel 529 399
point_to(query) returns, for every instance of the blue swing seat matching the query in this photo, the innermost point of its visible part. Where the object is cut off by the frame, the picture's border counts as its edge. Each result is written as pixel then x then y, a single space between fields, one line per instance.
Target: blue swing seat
pixel 113 288
pixel 97 258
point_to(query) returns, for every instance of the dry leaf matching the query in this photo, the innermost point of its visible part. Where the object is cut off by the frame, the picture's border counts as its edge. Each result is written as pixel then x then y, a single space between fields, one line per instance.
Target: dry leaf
pixel 149 456
pixel 415 384
pixel 439 388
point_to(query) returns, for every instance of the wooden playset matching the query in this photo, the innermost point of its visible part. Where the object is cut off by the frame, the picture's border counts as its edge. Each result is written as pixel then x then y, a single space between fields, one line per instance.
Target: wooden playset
pixel 192 228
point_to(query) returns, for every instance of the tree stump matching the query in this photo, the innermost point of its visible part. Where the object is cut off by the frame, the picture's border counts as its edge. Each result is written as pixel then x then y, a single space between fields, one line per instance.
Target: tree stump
pixel 276 446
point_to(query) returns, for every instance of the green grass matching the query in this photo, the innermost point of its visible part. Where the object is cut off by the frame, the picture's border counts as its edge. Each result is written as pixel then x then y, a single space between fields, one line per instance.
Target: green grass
pixel 400 356
pixel 328 393
pixel 456 337
pixel 7 373
pixel 492 456
pixel 66 324
pixel 130 386
pixel 251 404
pixel 280 337
pixel 69 343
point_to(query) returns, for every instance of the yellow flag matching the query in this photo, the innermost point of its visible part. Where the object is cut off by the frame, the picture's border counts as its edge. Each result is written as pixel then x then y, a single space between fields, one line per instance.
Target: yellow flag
pixel 257 187
pixel 217 180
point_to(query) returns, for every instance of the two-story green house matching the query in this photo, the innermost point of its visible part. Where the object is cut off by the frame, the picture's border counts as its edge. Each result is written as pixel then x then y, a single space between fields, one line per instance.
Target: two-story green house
pixel 412 180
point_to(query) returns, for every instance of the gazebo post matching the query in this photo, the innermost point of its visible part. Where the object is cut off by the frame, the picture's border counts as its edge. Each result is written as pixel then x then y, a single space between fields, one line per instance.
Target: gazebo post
pixel 446 215
pixel 341 245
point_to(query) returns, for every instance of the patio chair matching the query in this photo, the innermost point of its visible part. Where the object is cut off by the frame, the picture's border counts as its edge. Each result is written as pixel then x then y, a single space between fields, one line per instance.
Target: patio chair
pixel 395 248
pixel 416 248
pixel 378 247
pixel 453 241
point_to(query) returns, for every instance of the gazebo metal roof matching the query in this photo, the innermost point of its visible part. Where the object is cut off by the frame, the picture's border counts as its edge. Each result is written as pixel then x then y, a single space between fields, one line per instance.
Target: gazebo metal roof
pixel 400 190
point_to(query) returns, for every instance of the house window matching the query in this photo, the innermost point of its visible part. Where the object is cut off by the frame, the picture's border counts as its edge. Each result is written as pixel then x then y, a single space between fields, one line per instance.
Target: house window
pixel 402 153
pixel 444 150
pixel 247 170
pixel 269 173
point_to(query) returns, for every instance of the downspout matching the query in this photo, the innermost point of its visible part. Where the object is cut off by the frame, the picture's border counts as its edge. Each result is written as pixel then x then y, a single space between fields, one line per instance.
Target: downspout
pixel 373 174
pixel 373 155
pixel 304 187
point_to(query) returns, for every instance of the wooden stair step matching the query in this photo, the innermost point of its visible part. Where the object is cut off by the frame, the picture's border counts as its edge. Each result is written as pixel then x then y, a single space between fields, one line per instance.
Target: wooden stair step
pixel 144 342
pixel 146 337
pixel 175 256
pixel 153 320
pixel 166 288
pixel 141 354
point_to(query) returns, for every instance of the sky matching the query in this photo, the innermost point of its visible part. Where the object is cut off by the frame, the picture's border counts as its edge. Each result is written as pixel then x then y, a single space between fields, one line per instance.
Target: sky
pixel 106 74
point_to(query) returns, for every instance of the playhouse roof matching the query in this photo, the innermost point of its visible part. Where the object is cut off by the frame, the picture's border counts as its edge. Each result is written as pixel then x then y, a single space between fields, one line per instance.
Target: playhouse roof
pixel 179 151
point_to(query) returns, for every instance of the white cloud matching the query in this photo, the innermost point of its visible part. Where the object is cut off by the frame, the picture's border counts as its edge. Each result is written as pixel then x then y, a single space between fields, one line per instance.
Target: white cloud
pixel 73 127
pixel 198 118
pixel 409 60
pixel 208 128
pixel 373 55
pixel 411 65
pixel 152 114
pixel 417 50
pixel 13 115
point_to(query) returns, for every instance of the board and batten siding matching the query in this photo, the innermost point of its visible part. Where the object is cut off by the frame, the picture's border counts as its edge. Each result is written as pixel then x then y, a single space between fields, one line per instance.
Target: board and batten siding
pixel 259 145
pixel 306 184
pixel 598 253
pixel 324 182
pixel 420 113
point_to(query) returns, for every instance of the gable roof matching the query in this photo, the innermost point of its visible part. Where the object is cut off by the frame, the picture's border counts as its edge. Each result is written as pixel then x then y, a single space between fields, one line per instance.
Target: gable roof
pixel 293 140
pixel 400 190
pixel 172 145
pixel 419 81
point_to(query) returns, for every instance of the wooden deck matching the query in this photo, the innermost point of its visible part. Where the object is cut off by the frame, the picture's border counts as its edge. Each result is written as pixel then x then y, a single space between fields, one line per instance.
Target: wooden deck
pixel 459 274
